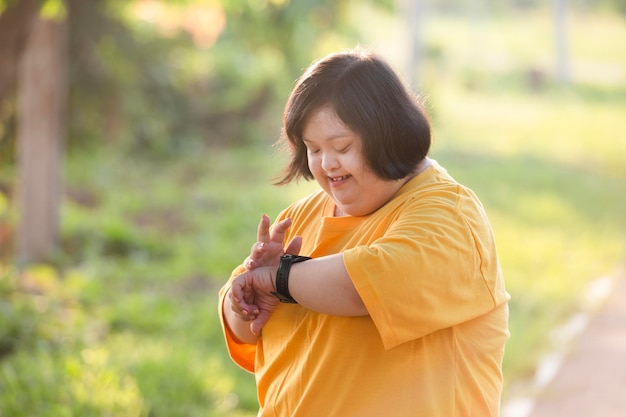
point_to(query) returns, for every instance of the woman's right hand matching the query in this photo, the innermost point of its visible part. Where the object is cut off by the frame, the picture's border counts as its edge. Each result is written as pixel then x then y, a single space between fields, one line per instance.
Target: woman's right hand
pixel 269 245
pixel 251 298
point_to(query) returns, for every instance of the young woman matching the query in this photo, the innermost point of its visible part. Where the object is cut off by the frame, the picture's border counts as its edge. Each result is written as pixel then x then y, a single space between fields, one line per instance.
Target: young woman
pixel 396 304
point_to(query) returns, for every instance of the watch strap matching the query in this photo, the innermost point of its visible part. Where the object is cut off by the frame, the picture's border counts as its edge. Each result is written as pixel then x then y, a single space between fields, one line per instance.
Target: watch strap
pixel 282 277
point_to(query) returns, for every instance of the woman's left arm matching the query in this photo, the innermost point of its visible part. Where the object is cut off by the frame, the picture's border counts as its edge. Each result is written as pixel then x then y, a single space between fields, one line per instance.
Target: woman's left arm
pixel 323 285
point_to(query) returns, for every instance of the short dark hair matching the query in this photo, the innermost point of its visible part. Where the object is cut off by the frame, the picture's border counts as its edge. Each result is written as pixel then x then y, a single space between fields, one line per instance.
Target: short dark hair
pixel 369 98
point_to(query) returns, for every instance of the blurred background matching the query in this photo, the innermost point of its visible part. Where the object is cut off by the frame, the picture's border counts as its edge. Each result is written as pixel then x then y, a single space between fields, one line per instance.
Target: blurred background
pixel 136 158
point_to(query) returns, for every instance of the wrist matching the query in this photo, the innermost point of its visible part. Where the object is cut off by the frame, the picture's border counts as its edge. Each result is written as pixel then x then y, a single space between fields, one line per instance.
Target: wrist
pixel 281 281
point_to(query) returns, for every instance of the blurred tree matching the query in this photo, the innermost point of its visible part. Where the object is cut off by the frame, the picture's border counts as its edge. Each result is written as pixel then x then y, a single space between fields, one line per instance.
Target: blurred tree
pixel 561 41
pixel 16 18
pixel 40 132
pixel 156 76
pixel 207 70
pixel 414 12
pixel 613 5
pixel 15 23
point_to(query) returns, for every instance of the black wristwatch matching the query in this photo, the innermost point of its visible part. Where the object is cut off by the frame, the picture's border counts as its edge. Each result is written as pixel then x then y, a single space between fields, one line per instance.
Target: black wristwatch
pixel 282 277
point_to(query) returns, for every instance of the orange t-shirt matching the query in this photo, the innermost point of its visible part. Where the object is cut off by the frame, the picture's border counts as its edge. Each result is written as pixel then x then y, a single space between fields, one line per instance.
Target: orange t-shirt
pixel 426 267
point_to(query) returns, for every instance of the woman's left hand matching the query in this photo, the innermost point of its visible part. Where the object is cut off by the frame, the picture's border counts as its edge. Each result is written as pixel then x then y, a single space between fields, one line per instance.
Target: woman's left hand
pixel 269 245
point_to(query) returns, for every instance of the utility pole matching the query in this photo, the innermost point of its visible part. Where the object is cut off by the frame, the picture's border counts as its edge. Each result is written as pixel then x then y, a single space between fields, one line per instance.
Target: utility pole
pixel 561 42
pixel 414 10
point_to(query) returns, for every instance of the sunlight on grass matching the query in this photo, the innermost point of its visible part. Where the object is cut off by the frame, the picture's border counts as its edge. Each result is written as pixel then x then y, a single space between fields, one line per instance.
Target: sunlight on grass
pixel 88 382
pixel 563 127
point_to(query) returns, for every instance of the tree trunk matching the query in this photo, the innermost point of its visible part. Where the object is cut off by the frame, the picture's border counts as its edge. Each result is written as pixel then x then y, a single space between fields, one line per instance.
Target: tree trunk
pixel 40 133
pixel 15 26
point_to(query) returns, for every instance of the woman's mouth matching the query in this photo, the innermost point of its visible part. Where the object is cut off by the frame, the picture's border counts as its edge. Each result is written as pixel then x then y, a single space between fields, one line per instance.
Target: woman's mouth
pixel 338 180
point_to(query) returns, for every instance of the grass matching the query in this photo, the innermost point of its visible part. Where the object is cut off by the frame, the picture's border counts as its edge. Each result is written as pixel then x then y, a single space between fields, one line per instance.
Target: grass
pixel 145 251
pixel 123 322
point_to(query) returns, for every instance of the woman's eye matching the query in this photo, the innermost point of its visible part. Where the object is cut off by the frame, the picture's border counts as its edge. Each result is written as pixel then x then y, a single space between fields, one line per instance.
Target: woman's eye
pixel 314 151
pixel 344 149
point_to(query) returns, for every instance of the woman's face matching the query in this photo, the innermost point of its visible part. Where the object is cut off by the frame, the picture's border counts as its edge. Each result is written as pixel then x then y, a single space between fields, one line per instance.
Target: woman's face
pixel 336 160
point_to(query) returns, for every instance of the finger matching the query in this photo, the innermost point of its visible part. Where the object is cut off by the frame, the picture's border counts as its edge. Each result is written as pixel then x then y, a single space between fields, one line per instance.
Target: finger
pixel 257 250
pixel 239 302
pixel 263 231
pixel 257 324
pixel 249 313
pixel 294 246
pixel 240 314
pixel 244 317
pixel 278 231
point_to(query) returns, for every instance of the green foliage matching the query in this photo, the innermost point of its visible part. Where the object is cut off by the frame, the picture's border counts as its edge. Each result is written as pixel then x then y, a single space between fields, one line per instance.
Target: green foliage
pixel 51 384
pixel 43 369
pixel 161 86
pixel 18 325
pixel 144 252
pixel 35 309
pixel 150 343
pixel 503 6
pixel 53 9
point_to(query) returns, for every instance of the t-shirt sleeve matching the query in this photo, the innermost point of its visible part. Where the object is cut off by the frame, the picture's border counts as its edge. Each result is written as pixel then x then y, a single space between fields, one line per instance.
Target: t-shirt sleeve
pixel 427 272
pixel 242 354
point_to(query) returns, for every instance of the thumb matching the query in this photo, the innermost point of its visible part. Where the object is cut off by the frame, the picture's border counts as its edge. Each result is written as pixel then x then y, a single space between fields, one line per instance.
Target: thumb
pixel 294 246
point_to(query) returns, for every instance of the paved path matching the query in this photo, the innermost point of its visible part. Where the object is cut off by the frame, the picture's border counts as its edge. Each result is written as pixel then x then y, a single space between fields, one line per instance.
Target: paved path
pixel 589 379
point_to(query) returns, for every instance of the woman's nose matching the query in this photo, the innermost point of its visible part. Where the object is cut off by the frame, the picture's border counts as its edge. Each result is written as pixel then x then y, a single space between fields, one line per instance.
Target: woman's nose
pixel 329 162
